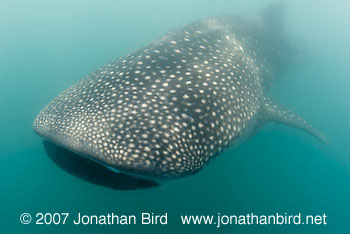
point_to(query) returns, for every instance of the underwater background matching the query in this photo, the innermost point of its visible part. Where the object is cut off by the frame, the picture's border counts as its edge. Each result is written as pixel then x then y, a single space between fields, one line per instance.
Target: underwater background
pixel 46 46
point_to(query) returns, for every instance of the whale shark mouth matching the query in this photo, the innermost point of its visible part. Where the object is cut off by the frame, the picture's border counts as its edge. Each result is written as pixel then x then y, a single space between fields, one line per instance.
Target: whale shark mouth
pixel 92 171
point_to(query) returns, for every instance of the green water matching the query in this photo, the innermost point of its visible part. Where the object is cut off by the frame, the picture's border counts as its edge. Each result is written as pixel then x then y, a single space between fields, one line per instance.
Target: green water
pixel 46 46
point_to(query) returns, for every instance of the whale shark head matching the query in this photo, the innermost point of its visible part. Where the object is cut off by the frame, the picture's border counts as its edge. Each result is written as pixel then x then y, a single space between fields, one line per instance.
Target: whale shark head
pixel 167 109
pixel 160 113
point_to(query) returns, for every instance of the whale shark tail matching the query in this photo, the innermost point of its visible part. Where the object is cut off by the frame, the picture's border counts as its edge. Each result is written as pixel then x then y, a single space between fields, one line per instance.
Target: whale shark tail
pixel 277 113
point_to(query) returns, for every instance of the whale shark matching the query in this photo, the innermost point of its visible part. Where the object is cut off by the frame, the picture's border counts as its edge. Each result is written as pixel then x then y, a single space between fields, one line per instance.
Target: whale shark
pixel 167 109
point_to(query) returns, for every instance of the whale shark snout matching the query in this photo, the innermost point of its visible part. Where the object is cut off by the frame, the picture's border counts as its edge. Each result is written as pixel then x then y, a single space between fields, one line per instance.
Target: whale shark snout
pixel 67 151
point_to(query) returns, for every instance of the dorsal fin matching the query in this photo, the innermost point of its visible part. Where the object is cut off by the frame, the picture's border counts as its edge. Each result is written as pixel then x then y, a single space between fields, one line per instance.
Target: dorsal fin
pixel 273 15
pixel 277 113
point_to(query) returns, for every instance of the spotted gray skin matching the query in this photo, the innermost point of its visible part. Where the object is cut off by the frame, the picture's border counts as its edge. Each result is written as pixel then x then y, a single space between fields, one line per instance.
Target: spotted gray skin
pixel 167 109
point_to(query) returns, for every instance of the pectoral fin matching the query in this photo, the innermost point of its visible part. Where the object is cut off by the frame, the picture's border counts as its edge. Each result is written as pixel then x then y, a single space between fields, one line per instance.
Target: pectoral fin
pixel 277 113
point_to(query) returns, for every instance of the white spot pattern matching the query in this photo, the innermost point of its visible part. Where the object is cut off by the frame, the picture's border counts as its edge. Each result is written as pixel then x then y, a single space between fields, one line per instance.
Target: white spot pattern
pixel 169 108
